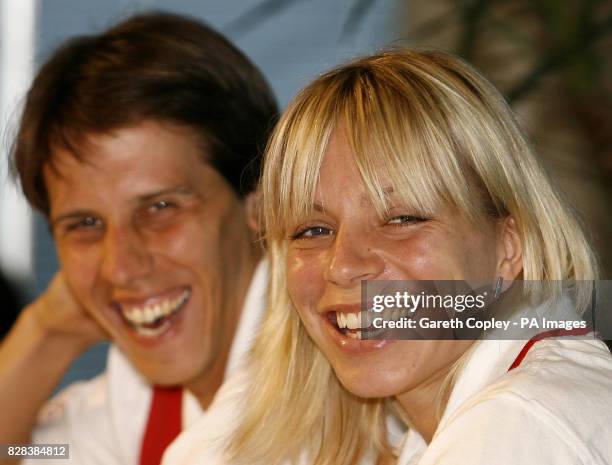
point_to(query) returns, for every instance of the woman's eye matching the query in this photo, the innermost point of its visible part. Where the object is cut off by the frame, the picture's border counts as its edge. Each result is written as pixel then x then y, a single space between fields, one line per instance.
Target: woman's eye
pixel 311 232
pixel 405 219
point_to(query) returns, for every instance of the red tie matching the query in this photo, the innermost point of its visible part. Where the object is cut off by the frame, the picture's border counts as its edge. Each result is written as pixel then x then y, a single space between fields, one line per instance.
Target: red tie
pixel 163 425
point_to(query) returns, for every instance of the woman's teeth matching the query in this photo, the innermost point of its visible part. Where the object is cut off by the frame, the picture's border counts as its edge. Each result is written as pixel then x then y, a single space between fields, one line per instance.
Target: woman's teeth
pixel 151 314
pixel 352 324
pixel 363 320
pixel 349 320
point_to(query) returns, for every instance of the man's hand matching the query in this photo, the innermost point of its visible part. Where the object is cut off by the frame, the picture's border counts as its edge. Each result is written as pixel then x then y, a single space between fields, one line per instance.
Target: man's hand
pixel 48 335
pixel 58 314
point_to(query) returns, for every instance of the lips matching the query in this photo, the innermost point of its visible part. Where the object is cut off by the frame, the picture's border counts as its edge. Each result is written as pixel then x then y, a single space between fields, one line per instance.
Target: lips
pixel 152 316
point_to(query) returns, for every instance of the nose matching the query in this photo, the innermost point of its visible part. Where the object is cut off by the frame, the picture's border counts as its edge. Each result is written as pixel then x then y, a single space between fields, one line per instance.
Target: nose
pixel 126 257
pixel 351 259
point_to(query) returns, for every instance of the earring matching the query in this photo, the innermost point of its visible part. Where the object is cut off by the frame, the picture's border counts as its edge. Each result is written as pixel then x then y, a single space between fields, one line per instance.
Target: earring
pixel 498 287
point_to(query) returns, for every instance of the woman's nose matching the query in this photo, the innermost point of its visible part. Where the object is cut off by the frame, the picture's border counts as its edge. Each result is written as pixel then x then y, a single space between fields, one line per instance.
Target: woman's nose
pixel 351 260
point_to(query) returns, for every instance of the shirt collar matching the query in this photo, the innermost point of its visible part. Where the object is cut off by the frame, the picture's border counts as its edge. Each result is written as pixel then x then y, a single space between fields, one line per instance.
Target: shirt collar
pixel 250 317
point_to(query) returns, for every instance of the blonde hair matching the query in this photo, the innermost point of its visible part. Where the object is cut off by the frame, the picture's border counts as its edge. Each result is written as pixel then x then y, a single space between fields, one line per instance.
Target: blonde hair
pixel 445 137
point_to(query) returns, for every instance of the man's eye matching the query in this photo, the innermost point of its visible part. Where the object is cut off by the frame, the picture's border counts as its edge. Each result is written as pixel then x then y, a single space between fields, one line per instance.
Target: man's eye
pixel 402 220
pixel 88 222
pixel 311 232
pixel 160 205
pixel 157 214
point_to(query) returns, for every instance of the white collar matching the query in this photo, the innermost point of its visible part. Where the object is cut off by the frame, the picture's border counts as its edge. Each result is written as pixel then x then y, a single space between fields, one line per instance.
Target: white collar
pixel 489 360
pixel 250 317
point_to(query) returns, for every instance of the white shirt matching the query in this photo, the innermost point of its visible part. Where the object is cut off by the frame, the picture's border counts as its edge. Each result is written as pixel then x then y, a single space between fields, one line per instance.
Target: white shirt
pixel 104 419
pixel 554 408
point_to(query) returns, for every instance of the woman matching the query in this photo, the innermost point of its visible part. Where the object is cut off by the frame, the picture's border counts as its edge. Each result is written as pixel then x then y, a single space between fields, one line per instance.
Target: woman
pixel 409 166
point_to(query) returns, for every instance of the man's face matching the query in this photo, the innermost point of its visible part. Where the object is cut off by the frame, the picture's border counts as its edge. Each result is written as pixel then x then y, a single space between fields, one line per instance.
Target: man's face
pixel 155 245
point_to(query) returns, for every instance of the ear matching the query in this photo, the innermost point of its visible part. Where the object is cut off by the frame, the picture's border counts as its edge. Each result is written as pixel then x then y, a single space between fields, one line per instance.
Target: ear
pixel 510 250
pixel 252 203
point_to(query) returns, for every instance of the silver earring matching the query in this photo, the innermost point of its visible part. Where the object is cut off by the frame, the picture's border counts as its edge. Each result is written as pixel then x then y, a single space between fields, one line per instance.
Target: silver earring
pixel 498 287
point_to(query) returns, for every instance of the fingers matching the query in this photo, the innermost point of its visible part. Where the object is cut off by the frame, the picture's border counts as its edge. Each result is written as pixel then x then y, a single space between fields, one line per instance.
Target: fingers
pixel 60 313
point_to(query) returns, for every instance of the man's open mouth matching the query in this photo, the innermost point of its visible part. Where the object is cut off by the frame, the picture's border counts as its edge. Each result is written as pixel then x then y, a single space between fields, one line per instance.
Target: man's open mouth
pixel 150 320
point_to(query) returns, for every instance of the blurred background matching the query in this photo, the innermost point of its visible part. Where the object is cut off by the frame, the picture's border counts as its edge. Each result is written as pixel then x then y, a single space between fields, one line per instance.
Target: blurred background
pixel 551 58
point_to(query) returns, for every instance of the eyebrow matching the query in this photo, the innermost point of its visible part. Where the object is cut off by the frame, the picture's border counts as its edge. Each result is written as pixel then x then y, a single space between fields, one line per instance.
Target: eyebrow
pixel 180 190
pixel 80 213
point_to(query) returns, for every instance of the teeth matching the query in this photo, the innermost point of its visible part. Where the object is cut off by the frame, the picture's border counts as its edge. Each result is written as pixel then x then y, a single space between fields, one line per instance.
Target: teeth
pixel 152 332
pixel 359 320
pixel 148 314
pixel 355 335
pixel 352 321
pixel 363 320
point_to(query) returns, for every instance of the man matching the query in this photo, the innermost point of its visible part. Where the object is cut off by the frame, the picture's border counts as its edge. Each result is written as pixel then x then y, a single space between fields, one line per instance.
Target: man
pixel 141 146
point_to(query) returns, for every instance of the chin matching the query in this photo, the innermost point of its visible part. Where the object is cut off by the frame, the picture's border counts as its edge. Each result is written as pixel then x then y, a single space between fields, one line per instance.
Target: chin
pixel 168 374
pixel 168 379
pixel 368 389
pixel 362 383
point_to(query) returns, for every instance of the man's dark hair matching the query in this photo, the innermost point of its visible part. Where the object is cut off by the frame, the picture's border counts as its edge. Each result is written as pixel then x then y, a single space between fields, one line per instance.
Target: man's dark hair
pixel 154 66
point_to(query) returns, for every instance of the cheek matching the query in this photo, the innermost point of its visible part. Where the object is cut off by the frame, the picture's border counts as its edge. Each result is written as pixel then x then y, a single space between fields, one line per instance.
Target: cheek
pixel 305 280
pixel 179 235
pixel 476 257
pixel 186 244
pixel 437 256
pixel 80 267
pixel 416 258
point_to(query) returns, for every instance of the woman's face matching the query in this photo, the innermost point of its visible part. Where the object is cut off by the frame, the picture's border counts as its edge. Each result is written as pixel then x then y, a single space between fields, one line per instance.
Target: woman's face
pixel 344 241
